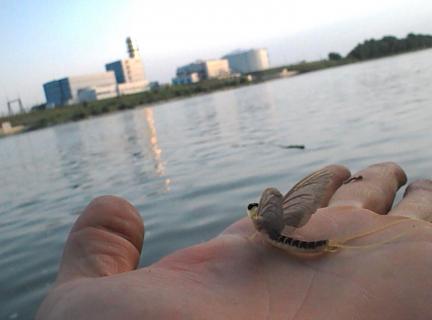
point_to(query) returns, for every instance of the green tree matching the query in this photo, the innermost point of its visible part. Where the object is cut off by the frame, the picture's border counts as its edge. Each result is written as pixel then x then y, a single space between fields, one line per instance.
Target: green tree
pixel 388 45
pixel 334 56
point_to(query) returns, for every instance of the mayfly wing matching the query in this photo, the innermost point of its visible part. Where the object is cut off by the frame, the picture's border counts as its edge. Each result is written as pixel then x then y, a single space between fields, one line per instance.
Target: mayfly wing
pixel 270 211
pixel 305 198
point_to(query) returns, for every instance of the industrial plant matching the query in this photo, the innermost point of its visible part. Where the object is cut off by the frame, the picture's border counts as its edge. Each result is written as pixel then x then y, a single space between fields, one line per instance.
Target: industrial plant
pixel 202 70
pixel 121 77
pixel 247 61
pixel 129 73
pixel 126 76
pixel 233 64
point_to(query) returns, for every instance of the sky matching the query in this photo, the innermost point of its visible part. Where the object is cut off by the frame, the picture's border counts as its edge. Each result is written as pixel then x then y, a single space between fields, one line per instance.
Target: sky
pixel 43 40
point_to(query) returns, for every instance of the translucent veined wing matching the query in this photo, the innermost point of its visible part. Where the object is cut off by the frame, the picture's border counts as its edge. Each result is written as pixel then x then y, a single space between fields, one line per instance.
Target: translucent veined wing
pixel 305 198
pixel 270 211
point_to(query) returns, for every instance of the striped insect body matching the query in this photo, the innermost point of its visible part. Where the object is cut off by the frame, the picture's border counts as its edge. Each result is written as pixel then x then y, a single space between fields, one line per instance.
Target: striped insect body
pixel 275 215
pixel 276 212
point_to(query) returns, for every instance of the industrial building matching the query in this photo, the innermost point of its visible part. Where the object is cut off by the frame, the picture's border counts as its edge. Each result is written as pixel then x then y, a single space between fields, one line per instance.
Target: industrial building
pixel 216 69
pixel 202 70
pixel 190 73
pixel 129 73
pixel 186 78
pixel 121 77
pixel 71 90
pixel 127 70
pixel 96 93
pixel 248 61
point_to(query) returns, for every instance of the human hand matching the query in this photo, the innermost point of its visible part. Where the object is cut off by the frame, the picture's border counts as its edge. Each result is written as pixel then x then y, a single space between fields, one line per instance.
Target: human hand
pixel 237 276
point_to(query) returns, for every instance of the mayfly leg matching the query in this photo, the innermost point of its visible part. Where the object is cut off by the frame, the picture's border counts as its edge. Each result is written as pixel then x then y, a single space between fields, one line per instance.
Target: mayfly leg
pixel 354 178
pixel 252 236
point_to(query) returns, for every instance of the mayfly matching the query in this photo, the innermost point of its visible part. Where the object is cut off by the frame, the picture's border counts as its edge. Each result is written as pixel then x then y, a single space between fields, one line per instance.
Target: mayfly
pixel 276 213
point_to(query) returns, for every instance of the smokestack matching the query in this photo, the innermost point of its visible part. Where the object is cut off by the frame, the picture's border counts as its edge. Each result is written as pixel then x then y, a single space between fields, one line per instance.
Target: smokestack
pixel 132 52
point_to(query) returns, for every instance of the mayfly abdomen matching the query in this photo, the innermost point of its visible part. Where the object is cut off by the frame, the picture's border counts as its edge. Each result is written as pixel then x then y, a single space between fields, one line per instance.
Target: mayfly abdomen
pixel 285 242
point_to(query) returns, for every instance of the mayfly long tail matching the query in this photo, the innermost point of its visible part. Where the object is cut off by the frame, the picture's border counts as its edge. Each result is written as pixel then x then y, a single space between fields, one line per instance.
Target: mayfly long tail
pixel 334 245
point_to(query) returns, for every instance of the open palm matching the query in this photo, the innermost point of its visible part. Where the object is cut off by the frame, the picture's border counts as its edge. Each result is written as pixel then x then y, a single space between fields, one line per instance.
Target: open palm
pixel 239 276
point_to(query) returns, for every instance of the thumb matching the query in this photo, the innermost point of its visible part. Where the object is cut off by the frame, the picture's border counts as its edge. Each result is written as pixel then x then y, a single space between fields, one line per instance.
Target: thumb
pixel 105 240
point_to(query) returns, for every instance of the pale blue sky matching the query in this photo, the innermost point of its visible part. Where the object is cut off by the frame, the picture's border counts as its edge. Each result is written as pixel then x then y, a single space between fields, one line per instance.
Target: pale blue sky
pixel 45 39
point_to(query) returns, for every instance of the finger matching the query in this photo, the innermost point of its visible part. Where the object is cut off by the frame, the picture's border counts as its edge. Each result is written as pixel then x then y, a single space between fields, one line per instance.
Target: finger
pixel 106 239
pixel 374 189
pixel 242 227
pixel 416 202
pixel 339 174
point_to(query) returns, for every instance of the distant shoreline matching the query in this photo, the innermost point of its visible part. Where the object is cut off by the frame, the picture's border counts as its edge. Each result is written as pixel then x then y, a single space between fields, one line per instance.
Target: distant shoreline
pixel 39 119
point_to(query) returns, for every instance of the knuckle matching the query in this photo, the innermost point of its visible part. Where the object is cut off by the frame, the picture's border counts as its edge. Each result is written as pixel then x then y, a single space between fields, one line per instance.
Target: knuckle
pixel 109 202
pixel 339 172
pixel 421 184
pixel 393 169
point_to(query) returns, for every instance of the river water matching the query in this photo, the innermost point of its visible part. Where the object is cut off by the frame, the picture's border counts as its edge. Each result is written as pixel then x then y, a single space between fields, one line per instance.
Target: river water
pixel 191 166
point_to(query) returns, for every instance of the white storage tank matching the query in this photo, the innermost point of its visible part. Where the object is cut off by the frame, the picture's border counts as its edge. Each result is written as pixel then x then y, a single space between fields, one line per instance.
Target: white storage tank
pixel 248 61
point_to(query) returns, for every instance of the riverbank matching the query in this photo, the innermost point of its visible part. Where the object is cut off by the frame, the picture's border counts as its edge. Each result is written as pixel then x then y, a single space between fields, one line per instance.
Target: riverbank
pixel 7 129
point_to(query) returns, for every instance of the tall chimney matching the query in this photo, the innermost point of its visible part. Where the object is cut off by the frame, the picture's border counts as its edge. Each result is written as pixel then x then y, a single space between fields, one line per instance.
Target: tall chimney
pixel 132 52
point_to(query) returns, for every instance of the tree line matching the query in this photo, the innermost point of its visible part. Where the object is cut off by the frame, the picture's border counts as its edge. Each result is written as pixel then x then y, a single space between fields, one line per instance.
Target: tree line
pixel 390 45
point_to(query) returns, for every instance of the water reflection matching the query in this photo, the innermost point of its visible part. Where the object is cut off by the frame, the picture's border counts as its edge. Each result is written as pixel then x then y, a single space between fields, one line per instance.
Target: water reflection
pixel 155 149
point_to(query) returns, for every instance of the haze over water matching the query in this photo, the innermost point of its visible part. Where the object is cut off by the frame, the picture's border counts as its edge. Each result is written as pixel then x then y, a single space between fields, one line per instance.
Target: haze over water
pixel 191 166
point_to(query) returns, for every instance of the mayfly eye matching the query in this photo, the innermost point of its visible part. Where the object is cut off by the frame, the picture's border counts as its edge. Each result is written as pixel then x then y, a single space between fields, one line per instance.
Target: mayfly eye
pixel 252 205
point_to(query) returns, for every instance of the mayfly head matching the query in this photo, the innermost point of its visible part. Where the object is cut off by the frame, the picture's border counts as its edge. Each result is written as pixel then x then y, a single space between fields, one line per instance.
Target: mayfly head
pixel 252 212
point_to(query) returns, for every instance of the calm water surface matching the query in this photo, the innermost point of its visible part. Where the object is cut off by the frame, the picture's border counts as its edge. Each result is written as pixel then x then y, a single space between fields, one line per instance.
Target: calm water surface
pixel 191 166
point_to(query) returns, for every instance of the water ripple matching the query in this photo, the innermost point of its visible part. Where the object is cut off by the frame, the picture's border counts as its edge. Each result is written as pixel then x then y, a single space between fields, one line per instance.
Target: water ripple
pixel 191 166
